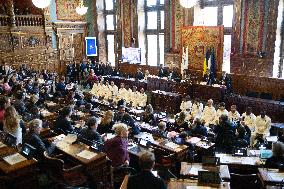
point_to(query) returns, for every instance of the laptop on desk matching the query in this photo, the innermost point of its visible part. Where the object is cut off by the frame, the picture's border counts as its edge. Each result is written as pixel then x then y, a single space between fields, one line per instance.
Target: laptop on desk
pixel 28 151
pixel 209 177
pixel 210 160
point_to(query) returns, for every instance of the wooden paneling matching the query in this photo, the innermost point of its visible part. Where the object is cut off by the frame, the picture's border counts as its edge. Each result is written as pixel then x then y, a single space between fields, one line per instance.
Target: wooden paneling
pixel 27 45
pixel 241 83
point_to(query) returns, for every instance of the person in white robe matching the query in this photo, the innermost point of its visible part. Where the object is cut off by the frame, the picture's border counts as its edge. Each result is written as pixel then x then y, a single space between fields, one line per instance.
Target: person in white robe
pixel 95 89
pixel 209 114
pixel 186 105
pixel 121 92
pixel 113 90
pixel 262 125
pixel 221 111
pixel 196 110
pixel 134 97
pixel 234 115
pixel 142 98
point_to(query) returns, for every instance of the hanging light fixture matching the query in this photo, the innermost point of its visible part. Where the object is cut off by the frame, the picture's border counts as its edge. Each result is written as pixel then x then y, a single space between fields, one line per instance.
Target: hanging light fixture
pixel 188 3
pixel 81 9
pixel 41 3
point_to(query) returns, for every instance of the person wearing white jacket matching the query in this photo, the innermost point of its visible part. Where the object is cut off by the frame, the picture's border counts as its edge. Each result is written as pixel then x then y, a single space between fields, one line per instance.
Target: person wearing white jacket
pixel 186 105
pixel 249 119
pixel 196 110
pixel 221 111
pixel 209 114
pixel 262 124
pixel 234 115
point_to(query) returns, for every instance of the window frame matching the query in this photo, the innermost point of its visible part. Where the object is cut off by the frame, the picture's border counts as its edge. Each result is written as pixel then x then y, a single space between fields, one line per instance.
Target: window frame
pixel 220 5
pixel 157 8
pixel 110 32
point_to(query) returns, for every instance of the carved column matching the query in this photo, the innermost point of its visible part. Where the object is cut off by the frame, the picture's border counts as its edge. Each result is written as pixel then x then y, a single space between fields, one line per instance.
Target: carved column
pixel 11 13
pixel 118 46
pixel 281 61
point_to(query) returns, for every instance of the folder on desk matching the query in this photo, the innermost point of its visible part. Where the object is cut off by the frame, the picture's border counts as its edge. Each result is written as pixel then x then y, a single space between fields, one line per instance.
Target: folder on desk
pixel 14 158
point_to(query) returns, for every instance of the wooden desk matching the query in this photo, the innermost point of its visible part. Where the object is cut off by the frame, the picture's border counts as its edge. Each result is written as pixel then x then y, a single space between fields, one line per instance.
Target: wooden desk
pixel 134 149
pixel 229 159
pixel 205 92
pixel 188 184
pixel 96 167
pixel 166 101
pixel 271 177
pixel 179 150
pixel 20 175
pixel 236 163
pixel 191 170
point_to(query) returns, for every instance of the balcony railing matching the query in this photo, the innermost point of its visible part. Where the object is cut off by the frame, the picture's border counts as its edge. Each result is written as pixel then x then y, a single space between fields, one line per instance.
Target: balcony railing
pixel 23 20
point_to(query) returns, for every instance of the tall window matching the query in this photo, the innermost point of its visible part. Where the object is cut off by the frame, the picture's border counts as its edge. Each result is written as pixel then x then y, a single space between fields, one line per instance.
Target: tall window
pixel 154 31
pixel 278 44
pixel 214 13
pixel 110 28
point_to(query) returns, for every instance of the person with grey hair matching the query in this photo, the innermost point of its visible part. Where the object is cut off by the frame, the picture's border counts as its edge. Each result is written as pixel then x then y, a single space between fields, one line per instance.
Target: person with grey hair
pixel 146 179
pixel 33 138
pixel 277 159
pixel 161 131
pixel 90 133
pixel 116 148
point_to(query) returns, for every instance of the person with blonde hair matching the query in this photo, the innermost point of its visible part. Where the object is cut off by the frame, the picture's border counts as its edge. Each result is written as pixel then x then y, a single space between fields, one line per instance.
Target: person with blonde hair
pixel 116 148
pixel 12 124
pixel 106 123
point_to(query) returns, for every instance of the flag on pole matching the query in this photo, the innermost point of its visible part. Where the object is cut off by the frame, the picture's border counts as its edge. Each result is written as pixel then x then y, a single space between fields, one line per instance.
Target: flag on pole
pixel 184 64
pixel 213 64
pixel 206 60
pixel 204 66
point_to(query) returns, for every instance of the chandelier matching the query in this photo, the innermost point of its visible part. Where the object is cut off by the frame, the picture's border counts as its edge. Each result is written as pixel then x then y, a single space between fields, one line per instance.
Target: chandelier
pixel 41 3
pixel 188 3
pixel 81 9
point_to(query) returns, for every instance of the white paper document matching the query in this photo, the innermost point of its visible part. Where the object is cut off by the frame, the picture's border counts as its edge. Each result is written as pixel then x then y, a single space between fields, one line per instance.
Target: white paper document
pixel 70 138
pixel 86 154
pixel 2 145
pixel 14 158
pixel 172 145
pixel 194 140
pixel 198 187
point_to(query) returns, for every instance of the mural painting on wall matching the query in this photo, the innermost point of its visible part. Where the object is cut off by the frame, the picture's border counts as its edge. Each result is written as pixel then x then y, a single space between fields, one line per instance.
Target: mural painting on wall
pixel 200 38
pixel 178 23
pixel 254 13
pixel 66 10
pixel 127 22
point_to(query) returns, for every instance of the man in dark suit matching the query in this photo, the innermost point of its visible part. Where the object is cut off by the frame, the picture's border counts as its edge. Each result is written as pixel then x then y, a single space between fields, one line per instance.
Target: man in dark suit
pixel 139 74
pixel 62 123
pixel 90 132
pixel 146 179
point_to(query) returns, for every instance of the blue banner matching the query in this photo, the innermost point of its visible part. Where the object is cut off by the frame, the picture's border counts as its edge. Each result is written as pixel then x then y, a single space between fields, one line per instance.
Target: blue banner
pixel 91 46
